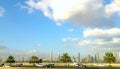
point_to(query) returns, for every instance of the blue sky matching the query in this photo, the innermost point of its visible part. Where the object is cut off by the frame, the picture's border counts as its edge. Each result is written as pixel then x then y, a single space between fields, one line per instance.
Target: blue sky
pixel 39 25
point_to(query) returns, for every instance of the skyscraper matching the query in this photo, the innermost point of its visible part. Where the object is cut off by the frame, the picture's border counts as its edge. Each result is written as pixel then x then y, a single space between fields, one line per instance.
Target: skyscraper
pixel 119 56
pixel 95 58
pixel 97 55
pixel 78 57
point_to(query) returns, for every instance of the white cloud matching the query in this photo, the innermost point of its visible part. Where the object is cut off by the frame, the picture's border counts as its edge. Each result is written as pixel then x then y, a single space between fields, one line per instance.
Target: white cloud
pixel 42 5
pixel 2 11
pixel 64 39
pixel 71 30
pixel 69 39
pixel 85 43
pixel 38 45
pixel 100 42
pixel 113 8
pixel 80 12
pixel 74 39
pixel 101 39
pixel 116 40
pixel 102 33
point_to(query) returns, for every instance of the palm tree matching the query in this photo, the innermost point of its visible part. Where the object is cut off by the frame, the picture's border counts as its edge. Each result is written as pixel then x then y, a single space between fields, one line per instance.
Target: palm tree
pixel 109 57
pixel 65 58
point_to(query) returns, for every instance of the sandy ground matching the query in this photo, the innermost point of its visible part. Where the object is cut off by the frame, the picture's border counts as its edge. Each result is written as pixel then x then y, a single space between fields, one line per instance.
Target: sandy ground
pixel 103 64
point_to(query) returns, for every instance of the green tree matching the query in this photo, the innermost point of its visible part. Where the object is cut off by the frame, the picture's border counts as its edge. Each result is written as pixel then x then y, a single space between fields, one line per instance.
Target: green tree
pixel 34 59
pixel 10 60
pixel 65 58
pixel 109 57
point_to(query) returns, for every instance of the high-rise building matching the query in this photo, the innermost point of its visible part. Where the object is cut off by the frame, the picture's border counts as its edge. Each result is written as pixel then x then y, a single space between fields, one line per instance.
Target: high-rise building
pixel 84 59
pixel 58 57
pixel 92 59
pixel 78 57
pixel 119 56
pixel 74 59
pixel 96 57
pixel 89 58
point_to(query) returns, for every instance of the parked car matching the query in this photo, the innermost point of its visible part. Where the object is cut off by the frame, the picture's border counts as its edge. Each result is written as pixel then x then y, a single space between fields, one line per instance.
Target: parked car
pixel 19 64
pixel 80 65
pixel 39 65
pixel 6 66
pixel 49 65
pixel 84 66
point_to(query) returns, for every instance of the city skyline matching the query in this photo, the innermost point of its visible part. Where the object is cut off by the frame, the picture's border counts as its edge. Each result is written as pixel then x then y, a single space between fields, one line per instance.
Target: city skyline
pixel 34 27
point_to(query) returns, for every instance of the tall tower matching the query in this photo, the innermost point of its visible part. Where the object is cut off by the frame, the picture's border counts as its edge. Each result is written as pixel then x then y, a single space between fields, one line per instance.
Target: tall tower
pixel 95 58
pixel 116 56
pixel 78 57
pixel 97 55
pixel 119 56
pixel 88 57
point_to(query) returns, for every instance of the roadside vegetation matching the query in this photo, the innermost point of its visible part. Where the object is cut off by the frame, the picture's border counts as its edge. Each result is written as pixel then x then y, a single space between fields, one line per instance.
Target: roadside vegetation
pixel 109 58
pixel 65 61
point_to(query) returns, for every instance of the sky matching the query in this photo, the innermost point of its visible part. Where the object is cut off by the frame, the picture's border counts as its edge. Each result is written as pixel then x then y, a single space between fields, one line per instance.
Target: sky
pixel 35 27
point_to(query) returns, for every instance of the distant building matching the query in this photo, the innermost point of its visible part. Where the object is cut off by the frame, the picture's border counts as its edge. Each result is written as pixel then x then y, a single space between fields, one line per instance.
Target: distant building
pixel 84 59
pixel 92 59
pixel 88 58
pixel 58 57
pixel 119 56
pixel 96 57
pixel 51 55
pixel 74 59
pixel 78 57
